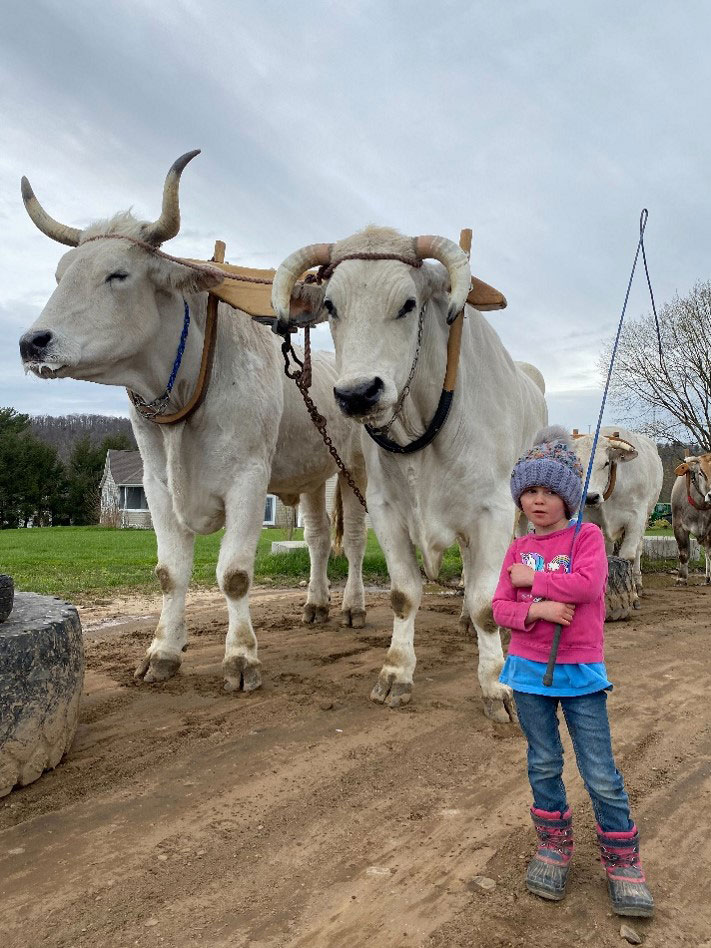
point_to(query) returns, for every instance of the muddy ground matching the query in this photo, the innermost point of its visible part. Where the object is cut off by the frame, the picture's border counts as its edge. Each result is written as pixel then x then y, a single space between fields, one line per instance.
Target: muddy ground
pixel 304 815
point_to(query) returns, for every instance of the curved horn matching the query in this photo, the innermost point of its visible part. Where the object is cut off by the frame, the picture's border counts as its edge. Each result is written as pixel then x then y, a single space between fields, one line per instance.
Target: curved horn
pixel 41 219
pixel 289 272
pixel 457 263
pixel 168 224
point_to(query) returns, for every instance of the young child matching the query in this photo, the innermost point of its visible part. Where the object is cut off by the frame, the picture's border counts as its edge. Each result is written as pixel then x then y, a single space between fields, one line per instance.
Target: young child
pixel 536 591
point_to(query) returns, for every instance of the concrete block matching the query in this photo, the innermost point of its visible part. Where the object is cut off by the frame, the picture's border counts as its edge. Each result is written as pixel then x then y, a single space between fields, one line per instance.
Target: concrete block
pixel 288 546
pixel 665 548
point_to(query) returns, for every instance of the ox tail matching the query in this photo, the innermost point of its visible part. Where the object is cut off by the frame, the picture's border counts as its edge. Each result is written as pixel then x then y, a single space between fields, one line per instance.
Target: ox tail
pixel 337 520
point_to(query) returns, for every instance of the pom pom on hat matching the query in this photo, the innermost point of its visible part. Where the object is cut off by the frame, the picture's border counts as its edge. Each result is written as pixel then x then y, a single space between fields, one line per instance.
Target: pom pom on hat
pixel 553 463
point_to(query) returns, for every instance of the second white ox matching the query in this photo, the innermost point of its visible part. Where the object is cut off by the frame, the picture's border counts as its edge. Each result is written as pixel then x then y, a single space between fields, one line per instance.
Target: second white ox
pixel 624 486
pixel 116 317
pixel 386 316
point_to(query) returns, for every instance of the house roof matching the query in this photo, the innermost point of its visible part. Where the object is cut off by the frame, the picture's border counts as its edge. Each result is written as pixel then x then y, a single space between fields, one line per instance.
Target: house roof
pixel 126 467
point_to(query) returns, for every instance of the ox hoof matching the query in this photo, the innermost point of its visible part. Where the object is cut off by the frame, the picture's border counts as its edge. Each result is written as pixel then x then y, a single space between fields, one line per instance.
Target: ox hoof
pixel 157 667
pixel 636 604
pixel 241 674
pixel 388 691
pixel 315 615
pixel 353 618
pixel 682 582
pixel 501 710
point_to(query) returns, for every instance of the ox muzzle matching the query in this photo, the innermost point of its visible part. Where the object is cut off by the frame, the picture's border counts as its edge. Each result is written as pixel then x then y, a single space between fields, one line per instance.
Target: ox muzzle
pixel 35 344
pixel 593 500
pixel 360 399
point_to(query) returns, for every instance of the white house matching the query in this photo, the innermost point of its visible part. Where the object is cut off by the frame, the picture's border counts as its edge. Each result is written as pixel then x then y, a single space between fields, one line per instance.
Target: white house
pixel 124 504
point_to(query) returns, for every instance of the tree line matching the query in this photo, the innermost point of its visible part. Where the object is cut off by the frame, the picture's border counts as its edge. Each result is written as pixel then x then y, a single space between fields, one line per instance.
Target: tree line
pixel 52 484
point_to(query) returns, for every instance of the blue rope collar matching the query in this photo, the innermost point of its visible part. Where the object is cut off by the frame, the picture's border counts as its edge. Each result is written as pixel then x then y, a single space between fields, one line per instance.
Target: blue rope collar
pixel 158 405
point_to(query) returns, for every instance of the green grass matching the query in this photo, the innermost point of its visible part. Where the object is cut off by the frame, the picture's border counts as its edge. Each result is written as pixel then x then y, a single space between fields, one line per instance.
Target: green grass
pixel 80 563
pixel 90 562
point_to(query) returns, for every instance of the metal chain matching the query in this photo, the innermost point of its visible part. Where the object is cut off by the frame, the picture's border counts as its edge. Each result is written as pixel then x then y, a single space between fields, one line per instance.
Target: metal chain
pixel 406 388
pixel 302 378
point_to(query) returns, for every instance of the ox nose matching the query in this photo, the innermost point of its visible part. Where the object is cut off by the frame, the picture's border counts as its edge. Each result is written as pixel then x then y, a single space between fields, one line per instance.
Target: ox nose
pixel 359 399
pixel 33 344
pixel 592 500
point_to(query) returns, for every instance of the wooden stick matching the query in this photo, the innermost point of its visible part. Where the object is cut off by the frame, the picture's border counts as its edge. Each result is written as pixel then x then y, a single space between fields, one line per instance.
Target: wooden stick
pixel 454 340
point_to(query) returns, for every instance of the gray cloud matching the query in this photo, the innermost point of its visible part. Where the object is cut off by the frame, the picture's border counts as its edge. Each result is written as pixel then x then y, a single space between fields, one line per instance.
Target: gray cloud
pixel 545 127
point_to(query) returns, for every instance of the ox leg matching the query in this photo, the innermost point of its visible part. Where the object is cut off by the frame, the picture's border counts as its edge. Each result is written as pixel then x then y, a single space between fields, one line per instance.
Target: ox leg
pixel 465 622
pixel 354 539
pixel 484 556
pixel 235 569
pixel 682 541
pixel 175 565
pixel 707 571
pixel 317 533
pixel 631 550
pixel 394 684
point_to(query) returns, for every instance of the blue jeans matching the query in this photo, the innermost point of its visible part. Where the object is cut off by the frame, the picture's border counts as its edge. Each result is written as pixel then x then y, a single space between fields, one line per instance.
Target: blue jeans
pixel 589 729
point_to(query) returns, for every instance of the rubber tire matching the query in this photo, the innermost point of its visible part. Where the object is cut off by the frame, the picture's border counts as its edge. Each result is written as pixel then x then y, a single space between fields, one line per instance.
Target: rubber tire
pixel 7 595
pixel 41 680
pixel 621 592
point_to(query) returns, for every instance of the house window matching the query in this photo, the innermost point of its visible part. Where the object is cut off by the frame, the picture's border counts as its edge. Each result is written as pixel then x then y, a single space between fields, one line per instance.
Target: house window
pixel 270 511
pixel 132 497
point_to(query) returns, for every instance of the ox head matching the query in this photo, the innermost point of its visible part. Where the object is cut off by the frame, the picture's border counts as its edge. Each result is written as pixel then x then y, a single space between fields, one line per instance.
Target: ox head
pixel 609 451
pixel 373 306
pixel 113 297
pixel 699 470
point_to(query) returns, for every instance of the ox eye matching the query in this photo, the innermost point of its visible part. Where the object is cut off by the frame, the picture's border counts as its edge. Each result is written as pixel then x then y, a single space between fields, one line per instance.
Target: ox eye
pixel 119 275
pixel 330 309
pixel 407 307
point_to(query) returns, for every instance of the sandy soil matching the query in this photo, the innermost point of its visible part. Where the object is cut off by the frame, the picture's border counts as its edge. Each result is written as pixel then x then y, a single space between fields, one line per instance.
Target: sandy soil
pixel 304 815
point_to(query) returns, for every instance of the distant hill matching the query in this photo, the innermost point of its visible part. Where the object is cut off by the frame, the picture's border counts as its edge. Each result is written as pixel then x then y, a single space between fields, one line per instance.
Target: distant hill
pixel 64 430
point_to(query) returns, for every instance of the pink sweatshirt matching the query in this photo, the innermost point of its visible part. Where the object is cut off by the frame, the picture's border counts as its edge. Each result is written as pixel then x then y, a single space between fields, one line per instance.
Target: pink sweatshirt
pixel 581 641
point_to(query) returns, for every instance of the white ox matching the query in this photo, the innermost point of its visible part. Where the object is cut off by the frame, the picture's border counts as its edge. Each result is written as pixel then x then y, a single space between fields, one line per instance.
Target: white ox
pixel 624 486
pixel 691 511
pixel 457 488
pixel 116 317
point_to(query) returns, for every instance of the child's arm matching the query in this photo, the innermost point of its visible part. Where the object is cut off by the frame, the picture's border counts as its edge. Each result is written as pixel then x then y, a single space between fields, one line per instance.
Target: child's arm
pixel 507 612
pixel 587 580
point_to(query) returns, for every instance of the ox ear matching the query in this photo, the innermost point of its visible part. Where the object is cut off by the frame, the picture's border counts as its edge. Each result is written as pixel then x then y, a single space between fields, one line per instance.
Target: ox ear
pixel 187 280
pixel 681 469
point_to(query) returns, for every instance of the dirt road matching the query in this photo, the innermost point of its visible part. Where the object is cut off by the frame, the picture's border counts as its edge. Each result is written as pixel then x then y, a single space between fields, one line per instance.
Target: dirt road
pixel 303 815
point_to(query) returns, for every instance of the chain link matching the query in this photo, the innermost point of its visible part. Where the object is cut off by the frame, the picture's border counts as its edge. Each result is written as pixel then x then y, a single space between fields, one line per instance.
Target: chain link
pixel 302 377
pixel 385 430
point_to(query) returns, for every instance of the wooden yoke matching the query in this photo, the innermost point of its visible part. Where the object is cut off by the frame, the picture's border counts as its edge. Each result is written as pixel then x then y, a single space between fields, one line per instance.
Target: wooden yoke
pixel 454 340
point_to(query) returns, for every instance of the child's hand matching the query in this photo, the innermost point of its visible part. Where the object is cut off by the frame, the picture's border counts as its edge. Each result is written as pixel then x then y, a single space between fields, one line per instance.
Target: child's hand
pixel 521 576
pixel 561 613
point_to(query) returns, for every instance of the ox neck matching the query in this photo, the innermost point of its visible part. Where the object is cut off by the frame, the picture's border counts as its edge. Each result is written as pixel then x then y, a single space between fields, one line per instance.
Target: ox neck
pixel 150 371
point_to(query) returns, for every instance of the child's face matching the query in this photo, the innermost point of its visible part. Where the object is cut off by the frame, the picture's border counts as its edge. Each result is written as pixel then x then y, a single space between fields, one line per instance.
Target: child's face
pixel 542 506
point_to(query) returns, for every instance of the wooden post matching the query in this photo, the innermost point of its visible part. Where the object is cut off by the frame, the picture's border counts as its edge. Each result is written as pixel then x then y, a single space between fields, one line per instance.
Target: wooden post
pixel 454 339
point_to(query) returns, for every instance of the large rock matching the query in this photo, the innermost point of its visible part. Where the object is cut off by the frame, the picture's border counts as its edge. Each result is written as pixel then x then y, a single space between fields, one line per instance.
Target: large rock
pixel 41 679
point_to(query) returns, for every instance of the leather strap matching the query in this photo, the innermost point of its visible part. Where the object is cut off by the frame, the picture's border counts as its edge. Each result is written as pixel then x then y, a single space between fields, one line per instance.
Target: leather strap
pixel 208 352
pixel 611 480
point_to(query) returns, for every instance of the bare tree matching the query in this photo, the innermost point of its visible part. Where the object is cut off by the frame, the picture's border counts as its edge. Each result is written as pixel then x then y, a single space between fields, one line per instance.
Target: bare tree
pixel 667 397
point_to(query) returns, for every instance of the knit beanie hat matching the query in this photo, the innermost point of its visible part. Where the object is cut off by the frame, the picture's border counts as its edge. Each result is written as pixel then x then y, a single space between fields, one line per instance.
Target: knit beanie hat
pixel 553 463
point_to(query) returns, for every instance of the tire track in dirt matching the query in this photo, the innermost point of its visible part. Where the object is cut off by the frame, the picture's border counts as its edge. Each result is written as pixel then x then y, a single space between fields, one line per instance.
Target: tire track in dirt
pixel 185 816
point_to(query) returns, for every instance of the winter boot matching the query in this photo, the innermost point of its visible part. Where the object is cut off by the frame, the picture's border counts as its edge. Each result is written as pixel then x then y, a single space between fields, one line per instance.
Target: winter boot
pixel 547 872
pixel 626 884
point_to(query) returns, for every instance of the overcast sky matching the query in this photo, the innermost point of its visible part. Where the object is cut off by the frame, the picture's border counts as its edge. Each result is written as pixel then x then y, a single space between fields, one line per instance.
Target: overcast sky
pixel 545 126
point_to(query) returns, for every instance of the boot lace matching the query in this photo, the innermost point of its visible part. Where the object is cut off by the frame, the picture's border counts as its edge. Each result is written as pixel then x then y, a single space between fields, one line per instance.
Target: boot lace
pixel 558 840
